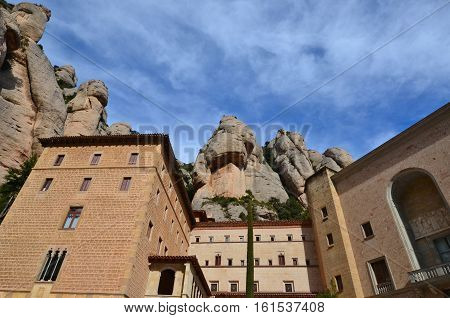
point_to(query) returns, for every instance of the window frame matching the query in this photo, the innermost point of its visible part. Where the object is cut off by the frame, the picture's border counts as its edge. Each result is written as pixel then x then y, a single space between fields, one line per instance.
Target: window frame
pixel 84 188
pixel 367 237
pixel 125 186
pixel 330 242
pixel 59 160
pixel 133 159
pixel 339 283
pixel 216 283
pixel 324 215
pixel 75 214
pixel 236 283
pixel 95 159
pixel 289 283
pixel 45 187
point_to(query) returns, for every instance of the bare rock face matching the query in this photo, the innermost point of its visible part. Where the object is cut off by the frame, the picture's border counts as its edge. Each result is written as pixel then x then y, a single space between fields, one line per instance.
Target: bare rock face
pixel 47 97
pixel 290 158
pixel 31 19
pixel 119 129
pixel 230 164
pixel 9 35
pixel 86 112
pixel 35 97
pixel 65 76
pixel 340 156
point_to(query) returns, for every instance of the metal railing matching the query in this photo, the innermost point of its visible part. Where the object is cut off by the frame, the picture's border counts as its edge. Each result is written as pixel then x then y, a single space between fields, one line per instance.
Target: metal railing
pixel 384 288
pixel 430 272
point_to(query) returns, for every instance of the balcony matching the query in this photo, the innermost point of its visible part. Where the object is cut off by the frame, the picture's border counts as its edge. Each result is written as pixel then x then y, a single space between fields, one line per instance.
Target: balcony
pixel 429 273
pixel 384 288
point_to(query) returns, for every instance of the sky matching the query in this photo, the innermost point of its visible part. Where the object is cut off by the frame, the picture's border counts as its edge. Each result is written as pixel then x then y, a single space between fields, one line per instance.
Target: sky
pixel 350 74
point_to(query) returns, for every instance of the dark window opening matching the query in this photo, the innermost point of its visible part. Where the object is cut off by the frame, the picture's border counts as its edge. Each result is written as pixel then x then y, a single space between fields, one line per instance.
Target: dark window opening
pixel 367 230
pixel 230 262
pixel 47 184
pixel 256 261
pixel 59 160
pixel 281 260
pixel 272 238
pixel 149 229
pixel 289 237
pixel 234 287
pixel 288 287
pixel 330 239
pixel 339 284
pixel 270 262
pixel 324 213
pixel 295 261
pixel 214 287
pixel 197 239
pixel 85 185
pixel 52 265
pixel 125 184
pixel 218 260
pixel 206 263
pixel 95 159
pixel 166 282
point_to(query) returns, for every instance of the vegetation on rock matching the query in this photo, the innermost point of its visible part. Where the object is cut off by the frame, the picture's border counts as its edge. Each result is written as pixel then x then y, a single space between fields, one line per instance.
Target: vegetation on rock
pixel 289 210
pixel 14 180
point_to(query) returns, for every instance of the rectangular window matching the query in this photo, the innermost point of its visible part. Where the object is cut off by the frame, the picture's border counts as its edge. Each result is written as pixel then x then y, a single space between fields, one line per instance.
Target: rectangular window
pixel 159 245
pixel 281 260
pixel 59 160
pixel 133 159
pixel 258 238
pixel 234 287
pixel 85 185
pixel 289 236
pixel 207 263
pixel 95 159
pixel 272 238
pixel 227 238
pixel 289 287
pixel 256 261
pixel 52 265
pixel 330 240
pixel 303 237
pixel 230 262
pixel 214 286
pixel 149 230
pixel 367 230
pixel 211 239
pixel 242 262
pixel 218 260
pixel 125 184
pixel 270 262
pixel 241 238
pixel 295 261
pixel 47 184
pixel 197 239
pixel 443 247
pixel 339 284
pixel 324 213
pixel 256 287
pixel 72 218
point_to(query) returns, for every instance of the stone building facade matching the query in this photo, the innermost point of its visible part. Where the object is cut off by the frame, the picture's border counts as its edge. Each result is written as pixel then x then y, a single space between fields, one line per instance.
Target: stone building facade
pixel 284 252
pixel 91 212
pixel 382 224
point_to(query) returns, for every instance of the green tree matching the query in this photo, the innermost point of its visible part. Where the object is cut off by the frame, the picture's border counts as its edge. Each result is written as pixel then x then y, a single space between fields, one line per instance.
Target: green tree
pixel 14 180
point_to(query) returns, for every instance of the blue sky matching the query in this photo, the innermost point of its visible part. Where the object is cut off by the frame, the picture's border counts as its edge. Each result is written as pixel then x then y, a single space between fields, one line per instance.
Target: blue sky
pixel 198 60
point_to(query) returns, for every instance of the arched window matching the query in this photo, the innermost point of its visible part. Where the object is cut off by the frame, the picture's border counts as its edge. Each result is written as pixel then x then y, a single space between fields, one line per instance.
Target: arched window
pixel 423 213
pixel 166 282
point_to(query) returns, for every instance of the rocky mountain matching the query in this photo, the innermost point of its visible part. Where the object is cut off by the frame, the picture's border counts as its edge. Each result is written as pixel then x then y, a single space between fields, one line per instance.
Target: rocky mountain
pixel 38 99
pixel 232 163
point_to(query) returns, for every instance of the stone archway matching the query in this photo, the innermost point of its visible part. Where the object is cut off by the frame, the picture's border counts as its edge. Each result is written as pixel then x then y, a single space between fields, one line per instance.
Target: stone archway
pixel 424 214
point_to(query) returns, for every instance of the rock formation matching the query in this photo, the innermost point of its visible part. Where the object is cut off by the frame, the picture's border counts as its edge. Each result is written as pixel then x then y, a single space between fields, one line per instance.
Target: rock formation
pixel 230 164
pixel 290 158
pixel 39 100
